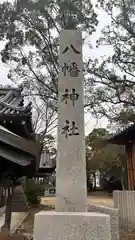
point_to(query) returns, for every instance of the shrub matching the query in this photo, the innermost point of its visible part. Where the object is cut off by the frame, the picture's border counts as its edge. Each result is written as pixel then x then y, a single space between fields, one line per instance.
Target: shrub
pixel 34 191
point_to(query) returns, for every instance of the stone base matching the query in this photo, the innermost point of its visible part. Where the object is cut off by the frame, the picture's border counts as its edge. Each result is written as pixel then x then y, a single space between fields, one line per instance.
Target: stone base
pixel 71 226
pixel 114 218
pixel 125 202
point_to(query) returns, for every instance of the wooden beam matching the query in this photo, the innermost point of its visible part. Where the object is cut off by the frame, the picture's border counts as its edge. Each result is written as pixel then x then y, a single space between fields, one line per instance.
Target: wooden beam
pixel 18 142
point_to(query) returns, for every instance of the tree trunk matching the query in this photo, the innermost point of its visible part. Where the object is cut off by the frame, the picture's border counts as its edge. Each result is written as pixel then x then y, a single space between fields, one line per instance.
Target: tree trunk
pixel 125 172
pixel 8 213
pixel 2 196
pixel 94 177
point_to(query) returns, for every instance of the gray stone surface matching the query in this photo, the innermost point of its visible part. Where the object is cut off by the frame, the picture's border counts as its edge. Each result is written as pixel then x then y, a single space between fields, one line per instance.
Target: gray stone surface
pixel 125 202
pixel 114 218
pixel 71 226
pixel 71 192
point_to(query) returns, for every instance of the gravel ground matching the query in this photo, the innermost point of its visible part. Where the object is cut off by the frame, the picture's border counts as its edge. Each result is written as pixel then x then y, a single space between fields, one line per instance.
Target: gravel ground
pixel 127 235
pixel 94 198
pixel 48 203
pixel 27 226
pixel 26 229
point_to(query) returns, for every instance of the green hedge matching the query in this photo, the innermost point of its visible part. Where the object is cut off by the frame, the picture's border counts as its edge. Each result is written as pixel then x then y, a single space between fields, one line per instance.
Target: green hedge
pixel 34 191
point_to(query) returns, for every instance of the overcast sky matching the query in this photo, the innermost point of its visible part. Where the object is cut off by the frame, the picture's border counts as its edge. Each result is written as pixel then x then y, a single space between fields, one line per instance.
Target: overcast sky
pixel 103 20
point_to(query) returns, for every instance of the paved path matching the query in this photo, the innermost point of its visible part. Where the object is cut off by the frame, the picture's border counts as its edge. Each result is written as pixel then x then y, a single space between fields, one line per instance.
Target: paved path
pixel 100 200
pixel 17 219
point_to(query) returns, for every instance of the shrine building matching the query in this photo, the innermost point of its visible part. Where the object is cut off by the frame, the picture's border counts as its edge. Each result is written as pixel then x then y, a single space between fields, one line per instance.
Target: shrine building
pixel 127 138
pixel 19 151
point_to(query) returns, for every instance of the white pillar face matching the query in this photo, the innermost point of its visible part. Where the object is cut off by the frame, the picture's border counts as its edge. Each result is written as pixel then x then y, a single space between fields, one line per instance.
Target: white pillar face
pixel 71 193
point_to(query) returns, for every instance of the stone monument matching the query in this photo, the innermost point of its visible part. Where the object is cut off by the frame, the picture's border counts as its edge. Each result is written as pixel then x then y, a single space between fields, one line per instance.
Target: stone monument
pixel 71 193
pixel 71 221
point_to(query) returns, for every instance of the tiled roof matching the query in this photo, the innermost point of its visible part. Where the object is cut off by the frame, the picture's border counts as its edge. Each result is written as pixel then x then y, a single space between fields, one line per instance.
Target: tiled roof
pixel 11 102
pixel 123 137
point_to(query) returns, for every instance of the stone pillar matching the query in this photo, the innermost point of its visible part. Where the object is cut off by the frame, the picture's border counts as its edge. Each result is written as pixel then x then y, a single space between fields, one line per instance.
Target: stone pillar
pixel 71 192
pixel 71 221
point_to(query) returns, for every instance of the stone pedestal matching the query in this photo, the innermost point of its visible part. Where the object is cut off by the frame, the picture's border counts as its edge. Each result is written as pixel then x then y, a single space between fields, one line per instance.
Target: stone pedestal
pixel 125 202
pixel 71 226
pixel 114 218
pixel 71 192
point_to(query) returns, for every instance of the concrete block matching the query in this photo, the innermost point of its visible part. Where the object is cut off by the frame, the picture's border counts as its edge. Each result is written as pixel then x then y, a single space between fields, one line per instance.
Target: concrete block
pixel 125 202
pixel 114 218
pixel 71 226
pixel 2 210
